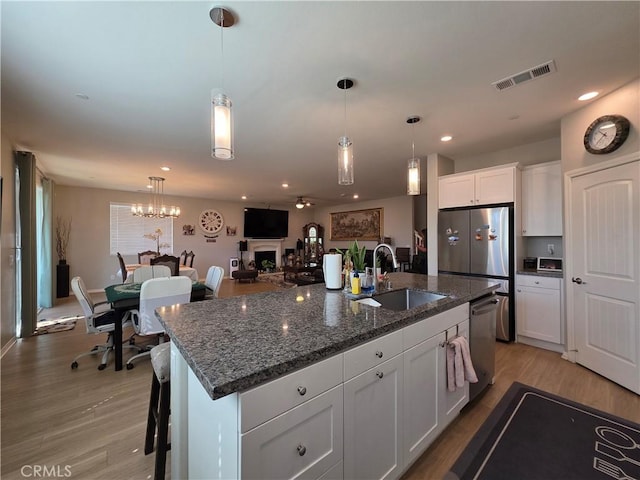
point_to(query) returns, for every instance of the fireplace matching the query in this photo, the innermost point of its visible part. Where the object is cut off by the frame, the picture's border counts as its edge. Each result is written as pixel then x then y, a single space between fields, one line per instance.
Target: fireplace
pixel 266 255
pixel 273 247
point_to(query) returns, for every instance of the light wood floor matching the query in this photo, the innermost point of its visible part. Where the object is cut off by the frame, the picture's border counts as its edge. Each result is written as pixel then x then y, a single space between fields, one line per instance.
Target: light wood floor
pixel 94 421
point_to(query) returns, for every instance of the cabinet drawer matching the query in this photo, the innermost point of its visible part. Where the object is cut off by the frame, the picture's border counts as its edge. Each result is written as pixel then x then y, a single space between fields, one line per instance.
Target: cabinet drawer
pixel 370 354
pixel 304 442
pixel 273 398
pixel 427 328
pixel 537 281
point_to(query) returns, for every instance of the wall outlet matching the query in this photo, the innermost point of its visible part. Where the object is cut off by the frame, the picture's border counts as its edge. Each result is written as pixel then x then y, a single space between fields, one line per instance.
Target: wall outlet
pixel 550 248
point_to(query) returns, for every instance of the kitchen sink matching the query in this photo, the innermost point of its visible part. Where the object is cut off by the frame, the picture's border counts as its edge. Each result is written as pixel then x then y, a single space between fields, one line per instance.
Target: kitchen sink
pixel 406 298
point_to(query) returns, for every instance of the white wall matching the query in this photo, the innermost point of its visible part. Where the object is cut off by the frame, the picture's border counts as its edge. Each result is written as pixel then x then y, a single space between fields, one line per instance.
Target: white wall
pixel 89 255
pixel 626 102
pixel 397 220
pixel 529 154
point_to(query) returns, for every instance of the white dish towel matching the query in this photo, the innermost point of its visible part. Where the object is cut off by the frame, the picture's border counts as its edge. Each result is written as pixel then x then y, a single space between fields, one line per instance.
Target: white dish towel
pixel 459 366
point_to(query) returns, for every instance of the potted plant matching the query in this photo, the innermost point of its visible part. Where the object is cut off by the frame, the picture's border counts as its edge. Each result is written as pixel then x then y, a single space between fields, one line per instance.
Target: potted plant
pixel 63 232
pixel 267 265
pixel 355 255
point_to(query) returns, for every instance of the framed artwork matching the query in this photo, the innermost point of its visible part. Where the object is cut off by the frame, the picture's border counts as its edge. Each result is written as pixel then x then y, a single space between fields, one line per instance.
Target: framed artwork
pixel 357 225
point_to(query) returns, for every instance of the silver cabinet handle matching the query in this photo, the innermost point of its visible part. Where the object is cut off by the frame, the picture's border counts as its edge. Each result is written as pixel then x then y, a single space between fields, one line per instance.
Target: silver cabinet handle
pixel 537 283
pixel 577 280
pixel 302 390
pixel 379 374
pixel 301 450
pixel 379 354
pixel 518 290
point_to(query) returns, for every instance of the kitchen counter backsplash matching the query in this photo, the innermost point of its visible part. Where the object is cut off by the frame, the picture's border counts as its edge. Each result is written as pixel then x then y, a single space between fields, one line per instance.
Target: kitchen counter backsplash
pixel 233 344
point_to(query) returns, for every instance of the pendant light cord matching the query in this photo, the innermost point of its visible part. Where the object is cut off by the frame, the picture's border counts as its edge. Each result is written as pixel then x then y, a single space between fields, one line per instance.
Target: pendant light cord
pixel 222 47
pixel 345 107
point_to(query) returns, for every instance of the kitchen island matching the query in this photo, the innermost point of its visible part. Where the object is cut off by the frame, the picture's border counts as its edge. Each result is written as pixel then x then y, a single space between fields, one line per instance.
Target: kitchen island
pixel 233 361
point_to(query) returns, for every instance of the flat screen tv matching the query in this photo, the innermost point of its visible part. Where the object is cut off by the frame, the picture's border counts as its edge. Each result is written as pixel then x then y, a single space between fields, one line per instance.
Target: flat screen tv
pixel 266 223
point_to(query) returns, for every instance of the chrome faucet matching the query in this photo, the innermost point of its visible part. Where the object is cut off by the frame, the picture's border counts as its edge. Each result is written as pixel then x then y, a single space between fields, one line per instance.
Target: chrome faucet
pixel 393 256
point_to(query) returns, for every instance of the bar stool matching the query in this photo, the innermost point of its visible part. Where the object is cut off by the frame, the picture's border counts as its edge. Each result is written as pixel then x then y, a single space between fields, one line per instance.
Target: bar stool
pixel 159 407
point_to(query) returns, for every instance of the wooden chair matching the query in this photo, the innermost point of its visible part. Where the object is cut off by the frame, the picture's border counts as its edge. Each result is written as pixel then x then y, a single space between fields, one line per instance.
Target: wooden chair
pixel 170 261
pixel 403 255
pixel 183 257
pixel 189 259
pixel 144 258
pixel 123 267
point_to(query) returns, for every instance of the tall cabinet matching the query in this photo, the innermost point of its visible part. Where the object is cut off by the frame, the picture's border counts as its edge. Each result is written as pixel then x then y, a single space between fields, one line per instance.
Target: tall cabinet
pixel 313 243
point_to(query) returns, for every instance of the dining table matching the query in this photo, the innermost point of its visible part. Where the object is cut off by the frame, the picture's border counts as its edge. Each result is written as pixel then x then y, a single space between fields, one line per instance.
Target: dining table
pixel 124 297
pixel 184 271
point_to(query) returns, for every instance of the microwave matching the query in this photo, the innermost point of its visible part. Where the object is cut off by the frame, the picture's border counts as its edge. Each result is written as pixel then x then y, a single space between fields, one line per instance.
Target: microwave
pixel 549 264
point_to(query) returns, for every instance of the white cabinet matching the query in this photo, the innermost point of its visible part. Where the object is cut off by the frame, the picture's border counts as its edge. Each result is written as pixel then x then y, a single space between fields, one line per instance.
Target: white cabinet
pixel 428 404
pixel 306 441
pixel 480 187
pixel 538 308
pixel 373 422
pixel 542 200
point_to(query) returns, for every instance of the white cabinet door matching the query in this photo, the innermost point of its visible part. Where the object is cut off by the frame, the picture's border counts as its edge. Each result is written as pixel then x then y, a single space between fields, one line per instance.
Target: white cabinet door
pixel 456 191
pixel 538 311
pixel 304 442
pixel 373 422
pixel 495 186
pixel 481 187
pixel 423 373
pixel 452 402
pixel 542 200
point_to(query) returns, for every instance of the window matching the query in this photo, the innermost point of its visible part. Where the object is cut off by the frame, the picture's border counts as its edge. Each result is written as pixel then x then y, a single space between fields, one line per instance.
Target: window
pixel 128 232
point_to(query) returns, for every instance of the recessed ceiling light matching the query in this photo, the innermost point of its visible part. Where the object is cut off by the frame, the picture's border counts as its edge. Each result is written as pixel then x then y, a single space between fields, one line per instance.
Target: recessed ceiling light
pixel 355 196
pixel 587 96
pixel 446 138
pixel 82 96
pixel 165 169
pixel 243 197
pixel 285 185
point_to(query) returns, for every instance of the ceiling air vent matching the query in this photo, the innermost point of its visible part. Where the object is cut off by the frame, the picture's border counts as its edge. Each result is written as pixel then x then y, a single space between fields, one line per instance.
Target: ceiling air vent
pixel 533 73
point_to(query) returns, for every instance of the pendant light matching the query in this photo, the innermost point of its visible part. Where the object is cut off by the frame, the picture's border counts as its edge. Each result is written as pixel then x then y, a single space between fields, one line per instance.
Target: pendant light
pixel 345 146
pixel 299 203
pixel 221 113
pixel 156 207
pixel 413 166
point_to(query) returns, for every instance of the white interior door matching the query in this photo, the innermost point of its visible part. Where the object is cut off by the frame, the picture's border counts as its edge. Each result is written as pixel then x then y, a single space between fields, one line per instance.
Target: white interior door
pixel 605 272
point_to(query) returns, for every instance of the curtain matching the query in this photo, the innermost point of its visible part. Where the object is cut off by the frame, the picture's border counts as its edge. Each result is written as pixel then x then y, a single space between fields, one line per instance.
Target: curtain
pixel 44 245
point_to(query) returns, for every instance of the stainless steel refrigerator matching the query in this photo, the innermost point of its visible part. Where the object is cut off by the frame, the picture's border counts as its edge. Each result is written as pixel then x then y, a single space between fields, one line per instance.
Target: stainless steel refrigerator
pixel 479 242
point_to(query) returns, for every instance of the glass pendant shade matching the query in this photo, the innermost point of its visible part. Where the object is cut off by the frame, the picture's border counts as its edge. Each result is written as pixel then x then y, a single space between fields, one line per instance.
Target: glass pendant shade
pixel 413 177
pixel 221 127
pixel 345 161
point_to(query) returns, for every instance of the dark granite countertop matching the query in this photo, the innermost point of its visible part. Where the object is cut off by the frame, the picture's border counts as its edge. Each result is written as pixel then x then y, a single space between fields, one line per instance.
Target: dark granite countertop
pixel 233 344
pixel 539 273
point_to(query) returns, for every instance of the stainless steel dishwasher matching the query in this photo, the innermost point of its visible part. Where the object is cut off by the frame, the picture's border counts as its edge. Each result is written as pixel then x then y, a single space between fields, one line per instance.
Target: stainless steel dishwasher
pixel 482 341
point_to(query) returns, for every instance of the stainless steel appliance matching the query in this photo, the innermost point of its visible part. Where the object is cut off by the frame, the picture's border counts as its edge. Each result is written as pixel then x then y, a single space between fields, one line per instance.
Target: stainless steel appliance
pixel 482 342
pixel 479 242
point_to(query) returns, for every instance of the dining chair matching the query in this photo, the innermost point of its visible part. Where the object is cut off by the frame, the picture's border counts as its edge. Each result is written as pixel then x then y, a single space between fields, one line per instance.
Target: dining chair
pixel 170 261
pixel 189 259
pixel 123 267
pixel 97 321
pixel 144 258
pixel 183 257
pixel 147 272
pixel 403 255
pixel 214 280
pixel 155 293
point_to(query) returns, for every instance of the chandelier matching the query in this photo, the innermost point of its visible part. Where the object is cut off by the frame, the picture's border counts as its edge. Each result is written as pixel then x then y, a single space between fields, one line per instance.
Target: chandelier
pixel 156 207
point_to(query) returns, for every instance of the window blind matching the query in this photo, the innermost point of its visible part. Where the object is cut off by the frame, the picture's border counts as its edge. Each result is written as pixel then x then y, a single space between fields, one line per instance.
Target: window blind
pixel 127 231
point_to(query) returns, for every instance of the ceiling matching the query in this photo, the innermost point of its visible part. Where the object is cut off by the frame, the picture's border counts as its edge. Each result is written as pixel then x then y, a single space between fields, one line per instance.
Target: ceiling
pixel 148 68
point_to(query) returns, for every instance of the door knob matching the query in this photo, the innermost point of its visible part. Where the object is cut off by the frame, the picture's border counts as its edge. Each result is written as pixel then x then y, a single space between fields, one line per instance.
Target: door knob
pixel 577 280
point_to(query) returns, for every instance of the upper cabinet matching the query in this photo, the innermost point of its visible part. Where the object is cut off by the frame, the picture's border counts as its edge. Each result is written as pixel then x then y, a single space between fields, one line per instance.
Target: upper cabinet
pixel 542 200
pixel 480 187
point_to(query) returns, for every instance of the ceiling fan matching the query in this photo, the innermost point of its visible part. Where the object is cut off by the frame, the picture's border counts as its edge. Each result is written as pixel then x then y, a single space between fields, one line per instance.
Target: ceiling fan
pixel 301 203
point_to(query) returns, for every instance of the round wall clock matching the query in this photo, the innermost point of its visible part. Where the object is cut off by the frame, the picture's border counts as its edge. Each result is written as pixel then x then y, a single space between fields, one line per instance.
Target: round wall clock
pixel 210 221
pixel 606 134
